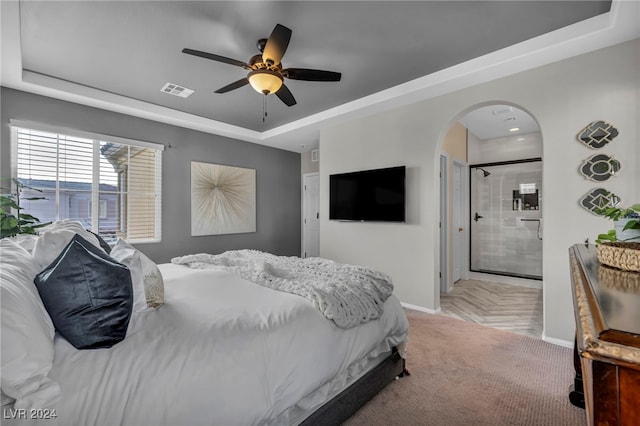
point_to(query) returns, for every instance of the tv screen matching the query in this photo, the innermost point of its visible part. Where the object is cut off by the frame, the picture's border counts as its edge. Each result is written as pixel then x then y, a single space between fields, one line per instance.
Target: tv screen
pixel 368 195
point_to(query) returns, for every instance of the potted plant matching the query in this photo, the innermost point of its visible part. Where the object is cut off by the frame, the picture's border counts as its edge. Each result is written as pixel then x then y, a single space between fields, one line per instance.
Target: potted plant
pixel 19 223
pixel 626 223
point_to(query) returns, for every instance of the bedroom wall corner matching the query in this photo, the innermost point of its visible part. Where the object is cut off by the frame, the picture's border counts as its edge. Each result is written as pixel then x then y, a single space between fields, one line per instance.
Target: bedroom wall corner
pixel 307 163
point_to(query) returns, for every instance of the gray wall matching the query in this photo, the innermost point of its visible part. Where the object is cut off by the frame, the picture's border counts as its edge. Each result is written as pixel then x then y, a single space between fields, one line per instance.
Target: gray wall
pixel 278 181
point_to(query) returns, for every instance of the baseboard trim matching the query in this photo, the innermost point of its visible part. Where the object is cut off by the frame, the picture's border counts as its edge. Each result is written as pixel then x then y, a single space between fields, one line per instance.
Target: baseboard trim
pixel 420 308
pixel 558 342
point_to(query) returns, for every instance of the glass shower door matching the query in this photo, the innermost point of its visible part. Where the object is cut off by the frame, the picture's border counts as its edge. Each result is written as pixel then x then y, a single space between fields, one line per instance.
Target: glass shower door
pixel 506 219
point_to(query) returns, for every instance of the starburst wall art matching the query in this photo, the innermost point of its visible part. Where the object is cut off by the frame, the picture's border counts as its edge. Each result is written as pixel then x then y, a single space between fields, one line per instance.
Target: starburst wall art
pixel 223 199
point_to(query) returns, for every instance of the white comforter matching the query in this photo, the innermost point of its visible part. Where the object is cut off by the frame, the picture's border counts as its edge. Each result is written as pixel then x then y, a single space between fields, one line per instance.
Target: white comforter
pixel 221 351
pixel 346 294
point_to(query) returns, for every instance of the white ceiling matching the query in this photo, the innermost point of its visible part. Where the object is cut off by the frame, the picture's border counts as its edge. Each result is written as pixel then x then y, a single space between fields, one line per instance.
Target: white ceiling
pixel 117 55
pixel 499 120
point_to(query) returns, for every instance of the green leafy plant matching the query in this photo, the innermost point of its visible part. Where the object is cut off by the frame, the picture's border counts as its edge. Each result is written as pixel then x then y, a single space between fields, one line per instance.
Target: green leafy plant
pixel 617 213
pixel 19 223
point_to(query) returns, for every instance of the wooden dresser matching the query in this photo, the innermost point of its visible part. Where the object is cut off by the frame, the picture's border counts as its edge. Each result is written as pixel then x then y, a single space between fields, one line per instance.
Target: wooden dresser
pixel 607 352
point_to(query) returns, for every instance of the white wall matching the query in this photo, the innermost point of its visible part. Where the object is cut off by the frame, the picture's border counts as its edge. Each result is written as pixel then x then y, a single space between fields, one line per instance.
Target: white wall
pixel 307 165
pixel 508 148
pixel 563 97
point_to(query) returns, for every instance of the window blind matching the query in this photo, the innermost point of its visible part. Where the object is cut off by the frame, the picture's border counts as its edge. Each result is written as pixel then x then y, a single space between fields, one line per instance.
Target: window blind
pixel 111 187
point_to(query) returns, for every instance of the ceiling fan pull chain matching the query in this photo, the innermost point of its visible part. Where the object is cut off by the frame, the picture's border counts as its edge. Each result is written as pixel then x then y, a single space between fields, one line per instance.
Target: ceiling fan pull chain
pixel 264 108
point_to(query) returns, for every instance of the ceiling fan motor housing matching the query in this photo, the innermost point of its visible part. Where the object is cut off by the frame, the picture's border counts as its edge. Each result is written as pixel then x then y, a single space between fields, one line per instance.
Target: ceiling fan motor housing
pixel 260 44
pixel 257 62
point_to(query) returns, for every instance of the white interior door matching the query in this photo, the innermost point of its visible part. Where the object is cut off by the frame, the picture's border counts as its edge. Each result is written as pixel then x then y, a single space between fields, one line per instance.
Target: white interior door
pixel 311 214
pixel 458 226
pixel 444 225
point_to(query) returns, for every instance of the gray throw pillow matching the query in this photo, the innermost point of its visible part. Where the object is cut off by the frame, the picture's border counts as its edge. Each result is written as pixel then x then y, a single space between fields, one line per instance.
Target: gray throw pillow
pixel 88 295
pixel 105 245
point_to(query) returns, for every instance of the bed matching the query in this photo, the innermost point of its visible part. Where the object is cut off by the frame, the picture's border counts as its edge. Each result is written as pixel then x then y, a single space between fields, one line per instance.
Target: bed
pixel 220 350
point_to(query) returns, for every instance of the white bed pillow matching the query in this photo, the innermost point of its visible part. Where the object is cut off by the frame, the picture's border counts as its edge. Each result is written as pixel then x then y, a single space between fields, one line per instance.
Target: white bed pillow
pixel 148 285
pixel 55 237
pixel 26 241
pixel 27 333
pixel 75 226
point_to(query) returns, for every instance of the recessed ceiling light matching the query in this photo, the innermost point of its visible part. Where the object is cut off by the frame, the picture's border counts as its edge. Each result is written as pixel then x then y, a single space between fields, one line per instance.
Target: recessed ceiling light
pixel 514 129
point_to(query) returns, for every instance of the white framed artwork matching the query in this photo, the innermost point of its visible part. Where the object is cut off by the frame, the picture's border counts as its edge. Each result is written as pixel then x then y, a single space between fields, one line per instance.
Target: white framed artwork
pixel 223 199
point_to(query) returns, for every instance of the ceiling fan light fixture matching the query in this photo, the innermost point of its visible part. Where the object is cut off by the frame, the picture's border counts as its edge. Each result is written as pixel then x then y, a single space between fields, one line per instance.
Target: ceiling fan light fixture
pixel 265 81
pixel 266 74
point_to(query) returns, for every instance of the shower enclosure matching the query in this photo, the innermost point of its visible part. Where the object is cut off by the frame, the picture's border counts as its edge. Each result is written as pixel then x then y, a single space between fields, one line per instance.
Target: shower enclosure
pixel 506 218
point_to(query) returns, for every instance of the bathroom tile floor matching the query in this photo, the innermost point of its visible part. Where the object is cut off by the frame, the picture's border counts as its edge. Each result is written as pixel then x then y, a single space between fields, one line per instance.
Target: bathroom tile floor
pixel 507 307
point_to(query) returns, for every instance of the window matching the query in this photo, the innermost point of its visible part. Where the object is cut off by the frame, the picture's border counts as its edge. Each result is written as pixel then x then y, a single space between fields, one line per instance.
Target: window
pixel 103 209
pixel 111 185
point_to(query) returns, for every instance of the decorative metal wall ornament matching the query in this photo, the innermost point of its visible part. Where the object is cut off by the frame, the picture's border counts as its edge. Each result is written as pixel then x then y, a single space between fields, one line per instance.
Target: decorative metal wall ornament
pixel 223 199
pixel 598 198
pixel 599 167
pixel 597 134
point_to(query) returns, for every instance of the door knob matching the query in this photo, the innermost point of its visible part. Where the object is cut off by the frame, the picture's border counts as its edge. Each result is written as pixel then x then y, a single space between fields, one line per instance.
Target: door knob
pixel 477 216
pixel 460 229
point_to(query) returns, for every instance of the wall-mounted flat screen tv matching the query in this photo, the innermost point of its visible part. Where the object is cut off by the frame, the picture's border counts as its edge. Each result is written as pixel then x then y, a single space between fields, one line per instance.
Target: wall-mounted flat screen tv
pixel 368 195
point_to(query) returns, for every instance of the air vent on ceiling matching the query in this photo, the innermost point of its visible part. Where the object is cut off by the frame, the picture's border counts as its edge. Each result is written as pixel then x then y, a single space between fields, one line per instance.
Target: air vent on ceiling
pixel 502 110
pixel 174 89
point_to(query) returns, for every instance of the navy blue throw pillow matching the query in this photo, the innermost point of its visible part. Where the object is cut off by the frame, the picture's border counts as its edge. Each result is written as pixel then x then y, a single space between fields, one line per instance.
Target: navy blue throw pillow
pixel 88 295
pixel 105 245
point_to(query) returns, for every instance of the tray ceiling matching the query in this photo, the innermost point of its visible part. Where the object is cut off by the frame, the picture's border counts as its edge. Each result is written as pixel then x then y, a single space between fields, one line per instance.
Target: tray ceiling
pixel 127 51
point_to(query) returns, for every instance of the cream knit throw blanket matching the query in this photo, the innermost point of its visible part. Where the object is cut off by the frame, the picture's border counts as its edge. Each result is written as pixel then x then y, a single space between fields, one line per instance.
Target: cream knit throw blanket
pixel 348 295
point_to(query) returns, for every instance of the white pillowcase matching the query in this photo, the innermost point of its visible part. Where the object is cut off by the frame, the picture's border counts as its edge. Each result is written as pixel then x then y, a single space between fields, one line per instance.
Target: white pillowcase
pixel 148 285
pixel 72 225
pixel 27 333
pixel 26 241
pixel 54 238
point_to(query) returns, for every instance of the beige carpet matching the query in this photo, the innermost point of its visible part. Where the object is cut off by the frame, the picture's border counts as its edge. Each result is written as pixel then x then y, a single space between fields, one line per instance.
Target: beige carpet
pixel 469 374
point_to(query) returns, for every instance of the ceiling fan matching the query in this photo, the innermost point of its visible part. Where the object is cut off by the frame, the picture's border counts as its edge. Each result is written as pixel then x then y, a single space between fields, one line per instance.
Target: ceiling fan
pixel 266 74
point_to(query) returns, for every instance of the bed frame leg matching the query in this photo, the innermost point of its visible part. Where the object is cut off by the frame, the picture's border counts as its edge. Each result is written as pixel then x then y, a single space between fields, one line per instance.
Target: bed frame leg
pixel 405 372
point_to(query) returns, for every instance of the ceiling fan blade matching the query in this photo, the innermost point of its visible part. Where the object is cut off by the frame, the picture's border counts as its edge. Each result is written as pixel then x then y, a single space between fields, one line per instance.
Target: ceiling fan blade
pixel 311 75
pixel 216 58
pixel 276 44
pixel 235 85
pixel 285 95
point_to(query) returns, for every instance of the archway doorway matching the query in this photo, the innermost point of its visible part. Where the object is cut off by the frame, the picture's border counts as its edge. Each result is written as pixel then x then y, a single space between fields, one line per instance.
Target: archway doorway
pixel 494 259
